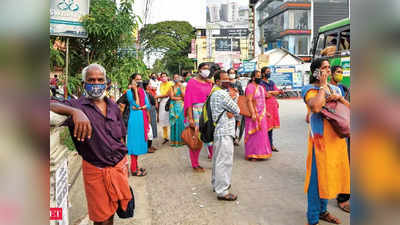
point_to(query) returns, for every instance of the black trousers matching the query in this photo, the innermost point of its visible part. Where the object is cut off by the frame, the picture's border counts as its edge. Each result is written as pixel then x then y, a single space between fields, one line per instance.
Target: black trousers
pixel 270 138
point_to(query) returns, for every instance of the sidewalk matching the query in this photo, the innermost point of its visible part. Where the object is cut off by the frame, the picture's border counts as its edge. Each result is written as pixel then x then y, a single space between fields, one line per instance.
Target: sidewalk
pixel 270 192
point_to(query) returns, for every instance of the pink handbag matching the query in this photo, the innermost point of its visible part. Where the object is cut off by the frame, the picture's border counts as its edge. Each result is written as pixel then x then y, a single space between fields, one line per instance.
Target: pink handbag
pixel 338 116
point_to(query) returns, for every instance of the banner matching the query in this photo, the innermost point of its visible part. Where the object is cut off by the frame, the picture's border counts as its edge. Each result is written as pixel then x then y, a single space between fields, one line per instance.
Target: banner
pixel 247 67
pixel 241 32
pixel 286 77
pixel 65 17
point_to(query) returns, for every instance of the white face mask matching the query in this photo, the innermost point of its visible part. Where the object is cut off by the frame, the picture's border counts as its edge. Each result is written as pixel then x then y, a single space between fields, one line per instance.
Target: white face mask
pixel 205 73
pixel 232 76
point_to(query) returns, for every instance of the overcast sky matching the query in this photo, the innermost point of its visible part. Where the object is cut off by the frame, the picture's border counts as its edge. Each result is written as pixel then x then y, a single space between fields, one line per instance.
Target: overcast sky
pixel 193 11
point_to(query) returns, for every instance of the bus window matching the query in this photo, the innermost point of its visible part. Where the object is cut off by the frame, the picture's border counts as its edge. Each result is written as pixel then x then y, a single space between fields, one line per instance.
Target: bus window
pixel 344 40
pixel 330 45
pixel 320 45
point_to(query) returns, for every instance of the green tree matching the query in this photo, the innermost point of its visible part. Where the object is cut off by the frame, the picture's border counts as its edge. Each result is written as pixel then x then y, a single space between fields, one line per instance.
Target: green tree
pixel 110 28
pixel 173 39
pixel 158 66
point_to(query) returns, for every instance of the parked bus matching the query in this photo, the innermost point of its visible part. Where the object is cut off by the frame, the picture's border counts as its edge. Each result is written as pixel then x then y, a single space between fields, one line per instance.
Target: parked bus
pixel 333 43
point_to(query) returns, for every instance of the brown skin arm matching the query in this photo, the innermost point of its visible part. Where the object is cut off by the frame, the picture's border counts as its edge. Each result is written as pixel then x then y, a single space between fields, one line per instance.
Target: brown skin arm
pixel 339 98
pixel 172 95
pixel 190 116
pixel 82 126
pixel 316 103
pixel 275 93
pixel 148 116
pixel 122 108
pixel 251 106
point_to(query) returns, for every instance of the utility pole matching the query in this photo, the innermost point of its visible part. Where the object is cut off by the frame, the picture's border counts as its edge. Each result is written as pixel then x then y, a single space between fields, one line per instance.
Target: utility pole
pixel 66 70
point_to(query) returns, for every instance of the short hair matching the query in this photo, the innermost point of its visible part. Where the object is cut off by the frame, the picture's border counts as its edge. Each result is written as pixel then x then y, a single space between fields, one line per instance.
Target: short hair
pixel 334 68
pixel 201 65
pixel 55 76
pixel 217 75
pixel 163 73
pixel 93 66
pixel 184 74
pixel 264 69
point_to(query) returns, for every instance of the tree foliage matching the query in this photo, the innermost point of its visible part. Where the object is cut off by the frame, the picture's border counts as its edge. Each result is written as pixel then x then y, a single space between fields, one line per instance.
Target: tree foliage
pixel 173 38
pixel 110 28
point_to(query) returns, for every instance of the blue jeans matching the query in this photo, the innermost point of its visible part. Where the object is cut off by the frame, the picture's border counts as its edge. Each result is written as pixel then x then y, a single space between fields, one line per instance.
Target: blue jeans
pixel 316 205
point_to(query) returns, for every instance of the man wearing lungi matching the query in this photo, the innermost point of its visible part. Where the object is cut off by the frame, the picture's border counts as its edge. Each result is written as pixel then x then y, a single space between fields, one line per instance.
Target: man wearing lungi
pixel 98 131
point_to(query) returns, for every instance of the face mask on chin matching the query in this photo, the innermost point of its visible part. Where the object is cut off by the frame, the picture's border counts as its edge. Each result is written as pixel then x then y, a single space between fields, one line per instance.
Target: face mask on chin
pixel 95 91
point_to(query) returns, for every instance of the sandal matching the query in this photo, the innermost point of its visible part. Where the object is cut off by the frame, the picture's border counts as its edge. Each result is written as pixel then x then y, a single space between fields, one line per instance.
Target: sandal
pixel 275 149
pixel 326 216
pixel 139 173
pixel 345 206
pixel 228 197
pixel 150 150
pixel 199 169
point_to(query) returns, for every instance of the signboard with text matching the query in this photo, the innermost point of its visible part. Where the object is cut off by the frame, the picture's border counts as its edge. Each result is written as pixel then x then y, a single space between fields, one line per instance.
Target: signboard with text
pixel 247 67
pixel 240 32
pixel 224 44
pixel 65 17
pixel 286 77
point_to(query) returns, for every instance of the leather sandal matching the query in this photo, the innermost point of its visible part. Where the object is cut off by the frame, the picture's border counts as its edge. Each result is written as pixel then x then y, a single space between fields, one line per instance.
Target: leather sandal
pixel 326 216
pixel 345 206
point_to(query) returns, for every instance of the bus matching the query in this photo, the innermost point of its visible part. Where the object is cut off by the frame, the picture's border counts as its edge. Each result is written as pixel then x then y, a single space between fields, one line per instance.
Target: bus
pixel 333 43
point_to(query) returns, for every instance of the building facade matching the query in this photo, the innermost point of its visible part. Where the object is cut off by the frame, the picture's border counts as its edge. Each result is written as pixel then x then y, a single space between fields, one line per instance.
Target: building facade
pixel 328 11
pixel 291 24
pixel 227 47
pixel 284 24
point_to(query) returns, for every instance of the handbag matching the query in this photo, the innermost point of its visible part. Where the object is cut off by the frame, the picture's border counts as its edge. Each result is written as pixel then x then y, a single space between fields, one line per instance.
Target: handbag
pixel 338 115
pixel 243 106
pixel 167 105
pixel 130 209
pixel 191 138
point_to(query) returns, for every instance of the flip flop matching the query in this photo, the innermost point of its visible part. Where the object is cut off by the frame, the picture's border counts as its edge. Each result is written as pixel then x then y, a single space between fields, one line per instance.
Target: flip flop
pixel 228 197
pixel 141 174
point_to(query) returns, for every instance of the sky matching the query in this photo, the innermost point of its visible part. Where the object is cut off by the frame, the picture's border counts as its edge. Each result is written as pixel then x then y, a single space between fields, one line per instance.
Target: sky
pixel 193 11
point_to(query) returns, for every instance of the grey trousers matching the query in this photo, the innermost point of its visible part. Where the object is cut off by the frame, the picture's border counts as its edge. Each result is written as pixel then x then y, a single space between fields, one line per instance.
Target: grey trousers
pixel 222 162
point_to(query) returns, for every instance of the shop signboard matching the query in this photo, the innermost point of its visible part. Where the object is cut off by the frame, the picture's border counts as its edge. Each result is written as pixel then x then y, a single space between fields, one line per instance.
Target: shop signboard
pixel 240 32
pixel 66 17
pixel 286 77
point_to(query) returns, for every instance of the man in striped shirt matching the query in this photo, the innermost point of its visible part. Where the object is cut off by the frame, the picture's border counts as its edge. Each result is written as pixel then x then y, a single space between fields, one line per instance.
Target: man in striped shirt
pixel 224 107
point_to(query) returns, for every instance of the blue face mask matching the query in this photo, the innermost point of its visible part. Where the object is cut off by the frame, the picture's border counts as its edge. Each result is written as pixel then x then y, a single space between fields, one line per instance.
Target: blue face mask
pixel 95 91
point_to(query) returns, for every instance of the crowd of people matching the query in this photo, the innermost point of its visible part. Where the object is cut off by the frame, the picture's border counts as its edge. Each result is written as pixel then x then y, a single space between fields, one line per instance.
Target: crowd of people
pixel 105 131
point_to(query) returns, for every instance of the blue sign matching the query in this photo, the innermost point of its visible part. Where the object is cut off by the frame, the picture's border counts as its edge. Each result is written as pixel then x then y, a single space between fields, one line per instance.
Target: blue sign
pixel 249 67
pixel 286 77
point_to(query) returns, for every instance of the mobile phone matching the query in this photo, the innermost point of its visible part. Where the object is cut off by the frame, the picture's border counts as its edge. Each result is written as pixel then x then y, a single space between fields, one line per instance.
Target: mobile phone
pixel 317 74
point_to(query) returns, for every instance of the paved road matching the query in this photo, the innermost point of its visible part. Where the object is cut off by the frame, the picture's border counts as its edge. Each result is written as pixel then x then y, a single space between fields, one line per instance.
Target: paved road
pixel 270 192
